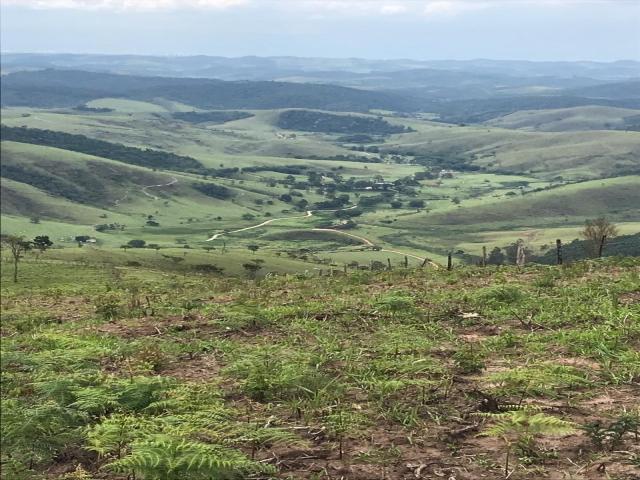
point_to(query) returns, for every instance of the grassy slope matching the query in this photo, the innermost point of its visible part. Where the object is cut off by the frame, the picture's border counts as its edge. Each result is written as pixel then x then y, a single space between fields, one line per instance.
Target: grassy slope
pixel 566 119
pixel 574 155
pixel 184 213
pixel 394 367
pixel 615 197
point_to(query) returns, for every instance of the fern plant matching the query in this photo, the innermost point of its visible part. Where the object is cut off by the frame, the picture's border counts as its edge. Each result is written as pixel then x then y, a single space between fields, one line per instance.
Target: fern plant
pixel 521 427
pixel 163 457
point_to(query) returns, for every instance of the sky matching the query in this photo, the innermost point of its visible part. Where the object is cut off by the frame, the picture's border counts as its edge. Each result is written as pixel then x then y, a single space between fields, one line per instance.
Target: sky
pixel 601 30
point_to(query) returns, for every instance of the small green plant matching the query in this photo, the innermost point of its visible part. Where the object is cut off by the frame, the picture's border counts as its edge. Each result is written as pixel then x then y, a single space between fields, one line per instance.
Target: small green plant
pixel 610 436
pixel 520 428
pixel 396 303
pixel 469 359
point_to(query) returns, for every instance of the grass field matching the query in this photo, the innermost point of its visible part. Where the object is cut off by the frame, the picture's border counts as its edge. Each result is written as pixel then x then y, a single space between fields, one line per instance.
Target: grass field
pixel 113 370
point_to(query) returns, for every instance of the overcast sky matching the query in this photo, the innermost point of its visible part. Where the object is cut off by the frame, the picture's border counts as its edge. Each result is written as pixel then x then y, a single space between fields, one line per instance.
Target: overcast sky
pixel 421 29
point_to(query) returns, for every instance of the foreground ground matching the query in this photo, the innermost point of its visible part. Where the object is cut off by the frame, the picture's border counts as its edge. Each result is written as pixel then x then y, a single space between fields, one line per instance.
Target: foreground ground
pixel 127 372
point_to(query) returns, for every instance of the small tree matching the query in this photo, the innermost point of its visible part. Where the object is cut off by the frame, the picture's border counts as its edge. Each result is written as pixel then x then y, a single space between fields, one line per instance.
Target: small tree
pixel 82 239
pixel 496 257
pixel 252 269
pixel 596 232
pixel 42 243
pixel 18 246
pixel 253 247
pixel 136 243
pixel 417 204
pixel 521 427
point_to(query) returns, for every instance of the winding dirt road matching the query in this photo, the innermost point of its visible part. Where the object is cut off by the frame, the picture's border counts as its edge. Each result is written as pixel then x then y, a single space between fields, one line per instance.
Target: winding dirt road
pixel 173 181
pixel 309 213
pixel 218 235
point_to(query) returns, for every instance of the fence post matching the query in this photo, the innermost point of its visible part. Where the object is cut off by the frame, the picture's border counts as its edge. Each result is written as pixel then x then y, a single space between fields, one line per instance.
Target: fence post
pixel 389 263
pixel 449 262
pixel 345 268
pixel 520 255
pixel 559 252
pixel 604 239
pixel 484 256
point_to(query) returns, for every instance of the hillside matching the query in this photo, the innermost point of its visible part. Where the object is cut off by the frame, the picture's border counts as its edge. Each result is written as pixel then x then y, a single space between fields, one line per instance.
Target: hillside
pixel 69 88
pixel 400 374
pixel 615 198
pixel 570 119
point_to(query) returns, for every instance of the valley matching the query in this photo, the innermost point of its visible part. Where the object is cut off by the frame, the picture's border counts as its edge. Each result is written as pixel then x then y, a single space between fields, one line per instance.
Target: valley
pixel 414 185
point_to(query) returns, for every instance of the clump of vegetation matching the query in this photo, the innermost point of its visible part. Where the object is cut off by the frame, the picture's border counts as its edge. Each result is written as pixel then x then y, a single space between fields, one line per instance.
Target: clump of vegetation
pixel 310 121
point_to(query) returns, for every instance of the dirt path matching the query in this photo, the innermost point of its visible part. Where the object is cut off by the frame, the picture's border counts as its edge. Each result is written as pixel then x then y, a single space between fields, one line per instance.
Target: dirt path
pixel 173 181
pixel 369 243
pixel 218 235
pixel 309 213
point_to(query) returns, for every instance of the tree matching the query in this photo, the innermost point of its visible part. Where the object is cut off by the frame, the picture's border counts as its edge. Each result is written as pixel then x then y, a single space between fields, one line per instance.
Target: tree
pixel 417 204
pixel 496 257
pixel 136 243
pixel 82 239
pixel 252 269
pixel 596 232
pixel 253 247
pixel 42 243
pixel 18 246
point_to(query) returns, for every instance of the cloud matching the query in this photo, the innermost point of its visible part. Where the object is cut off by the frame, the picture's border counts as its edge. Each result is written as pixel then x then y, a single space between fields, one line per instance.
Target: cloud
pixel 393 9
pixel 124 4
pixel 429 8
pixel 453 7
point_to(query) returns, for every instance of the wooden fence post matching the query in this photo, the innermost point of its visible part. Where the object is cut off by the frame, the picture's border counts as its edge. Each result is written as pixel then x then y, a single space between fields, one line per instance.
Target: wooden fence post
pixel 389 263
pixel 345 268
pixel 604 239
pixel 406 262
pixel 484 256
pixel 449 262
pixel 559 252
pixel 520 255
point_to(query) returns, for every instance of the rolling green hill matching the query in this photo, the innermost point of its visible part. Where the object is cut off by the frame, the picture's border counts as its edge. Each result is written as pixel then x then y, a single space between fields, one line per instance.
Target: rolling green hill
pixel 616 198
pixel 165 170
pixel 570 119
pixel 65 88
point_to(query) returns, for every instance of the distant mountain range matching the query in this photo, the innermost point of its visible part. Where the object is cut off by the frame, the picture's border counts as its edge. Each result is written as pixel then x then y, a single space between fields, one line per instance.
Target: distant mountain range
pixel 274 68
pixel 455 91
